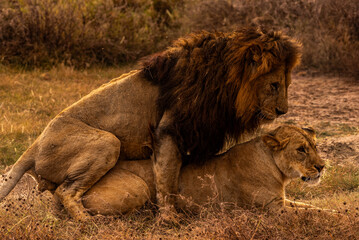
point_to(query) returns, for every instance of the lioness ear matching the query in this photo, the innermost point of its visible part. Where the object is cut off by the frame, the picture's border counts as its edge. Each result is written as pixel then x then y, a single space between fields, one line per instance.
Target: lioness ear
pixel 310 131
pixel 284 143
pixel 271 142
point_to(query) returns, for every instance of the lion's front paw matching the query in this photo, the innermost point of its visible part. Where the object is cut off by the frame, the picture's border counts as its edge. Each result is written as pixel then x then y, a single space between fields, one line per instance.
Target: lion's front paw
pixel 82 216
pixel 168 216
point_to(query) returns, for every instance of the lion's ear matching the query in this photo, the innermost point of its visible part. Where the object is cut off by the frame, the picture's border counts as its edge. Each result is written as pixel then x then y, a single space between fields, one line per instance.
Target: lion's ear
pixel 273 143
pixel 258 62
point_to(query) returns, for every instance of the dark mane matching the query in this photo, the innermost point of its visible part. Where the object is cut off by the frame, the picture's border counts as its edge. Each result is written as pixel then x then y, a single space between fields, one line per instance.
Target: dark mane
pixel 207 79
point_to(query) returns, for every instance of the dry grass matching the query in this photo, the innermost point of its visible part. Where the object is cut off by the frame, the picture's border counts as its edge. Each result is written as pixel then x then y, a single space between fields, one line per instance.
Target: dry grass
pixel 30 216
pixel 28 100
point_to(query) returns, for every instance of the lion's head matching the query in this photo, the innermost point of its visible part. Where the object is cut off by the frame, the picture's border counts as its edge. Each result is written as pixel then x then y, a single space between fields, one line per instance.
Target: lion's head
pixel 219 85
pixel 295 153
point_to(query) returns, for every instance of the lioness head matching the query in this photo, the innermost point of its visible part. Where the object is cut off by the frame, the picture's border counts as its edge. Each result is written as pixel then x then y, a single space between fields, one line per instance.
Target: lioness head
pixel 295 152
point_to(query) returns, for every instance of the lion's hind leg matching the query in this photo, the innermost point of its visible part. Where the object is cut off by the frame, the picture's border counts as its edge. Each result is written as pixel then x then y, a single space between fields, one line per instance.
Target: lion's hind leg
pixel 96 159
pixel 118 192
pixel 74 156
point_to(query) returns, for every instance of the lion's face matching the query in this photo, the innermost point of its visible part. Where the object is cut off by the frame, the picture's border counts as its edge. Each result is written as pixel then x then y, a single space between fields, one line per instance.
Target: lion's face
pixel 272 97
pixel 295 153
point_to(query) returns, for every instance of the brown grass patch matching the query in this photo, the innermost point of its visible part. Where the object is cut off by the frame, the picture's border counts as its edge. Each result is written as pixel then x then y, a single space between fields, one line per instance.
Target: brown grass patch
pixel 30 215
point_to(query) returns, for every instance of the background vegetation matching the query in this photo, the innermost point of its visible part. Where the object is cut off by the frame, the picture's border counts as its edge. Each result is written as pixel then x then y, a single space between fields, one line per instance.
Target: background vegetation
pixel 81 33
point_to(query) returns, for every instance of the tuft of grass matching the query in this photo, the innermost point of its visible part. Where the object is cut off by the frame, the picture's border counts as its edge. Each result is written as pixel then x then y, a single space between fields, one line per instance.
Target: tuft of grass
pixel 343 178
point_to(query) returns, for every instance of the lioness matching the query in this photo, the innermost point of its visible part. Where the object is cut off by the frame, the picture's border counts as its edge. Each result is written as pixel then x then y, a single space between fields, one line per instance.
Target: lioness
pixel 205 88
pixel 250 174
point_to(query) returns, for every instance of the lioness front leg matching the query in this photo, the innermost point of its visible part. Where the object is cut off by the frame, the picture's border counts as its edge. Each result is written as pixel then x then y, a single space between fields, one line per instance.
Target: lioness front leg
pixel 296 204
pixel 167 165
pixel 305 206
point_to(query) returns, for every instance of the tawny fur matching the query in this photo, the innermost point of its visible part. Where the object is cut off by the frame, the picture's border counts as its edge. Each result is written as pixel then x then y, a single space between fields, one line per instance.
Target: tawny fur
pixel 202 90
pixel 252 174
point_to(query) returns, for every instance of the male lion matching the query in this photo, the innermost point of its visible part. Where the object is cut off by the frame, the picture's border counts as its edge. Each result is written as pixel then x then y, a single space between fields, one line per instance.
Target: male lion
pixel 206 88
pixel 250 174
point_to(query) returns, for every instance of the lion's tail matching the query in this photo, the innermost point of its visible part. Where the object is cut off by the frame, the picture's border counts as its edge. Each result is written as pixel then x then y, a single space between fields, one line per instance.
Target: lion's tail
pixel 11 178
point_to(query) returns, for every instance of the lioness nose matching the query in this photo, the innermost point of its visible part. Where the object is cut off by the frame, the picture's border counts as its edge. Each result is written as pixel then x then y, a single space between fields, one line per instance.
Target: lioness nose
pixel 280 111
pixel 319 167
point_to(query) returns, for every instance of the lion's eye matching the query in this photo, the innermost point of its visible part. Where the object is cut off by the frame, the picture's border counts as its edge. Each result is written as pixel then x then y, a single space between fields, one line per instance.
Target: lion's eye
pixel 301 149
pixel 274 86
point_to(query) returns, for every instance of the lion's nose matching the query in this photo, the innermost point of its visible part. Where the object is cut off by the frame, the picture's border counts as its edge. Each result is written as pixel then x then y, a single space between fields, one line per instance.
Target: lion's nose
pixel 280 111
pixel 319 167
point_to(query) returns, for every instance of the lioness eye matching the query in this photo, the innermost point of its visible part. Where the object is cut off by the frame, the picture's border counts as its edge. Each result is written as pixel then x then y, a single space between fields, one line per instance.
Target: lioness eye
pixel 301 149
pixel 274 86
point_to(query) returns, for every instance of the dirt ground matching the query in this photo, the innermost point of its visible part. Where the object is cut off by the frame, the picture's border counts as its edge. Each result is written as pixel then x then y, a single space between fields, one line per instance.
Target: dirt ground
pixel 321 99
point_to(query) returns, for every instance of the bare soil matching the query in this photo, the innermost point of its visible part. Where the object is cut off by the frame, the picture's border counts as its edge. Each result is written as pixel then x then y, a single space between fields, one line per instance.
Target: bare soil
pixel 324 99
